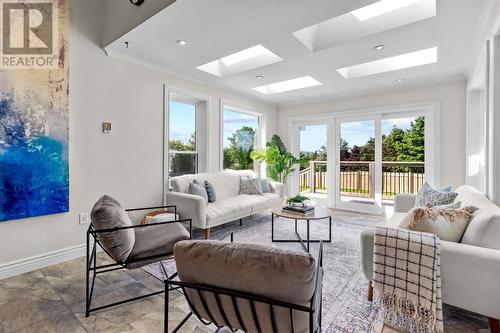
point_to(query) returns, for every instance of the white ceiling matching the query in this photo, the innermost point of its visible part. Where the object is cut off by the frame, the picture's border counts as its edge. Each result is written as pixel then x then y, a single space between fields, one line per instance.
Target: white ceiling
pixel 217 28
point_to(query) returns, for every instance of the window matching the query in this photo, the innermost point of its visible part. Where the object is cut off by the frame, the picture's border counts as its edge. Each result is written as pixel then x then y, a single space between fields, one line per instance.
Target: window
pixel 182 147
pixel 241 132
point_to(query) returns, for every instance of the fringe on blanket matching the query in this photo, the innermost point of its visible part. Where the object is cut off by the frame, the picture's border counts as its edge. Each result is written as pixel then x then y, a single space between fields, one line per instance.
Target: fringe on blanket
pixel 406 315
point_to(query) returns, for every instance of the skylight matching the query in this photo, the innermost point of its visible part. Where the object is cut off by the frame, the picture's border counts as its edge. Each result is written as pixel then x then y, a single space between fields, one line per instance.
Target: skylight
pixel 407 60
pixel 293 84
pixel 253 57
pixel 378 17
pixel 380 8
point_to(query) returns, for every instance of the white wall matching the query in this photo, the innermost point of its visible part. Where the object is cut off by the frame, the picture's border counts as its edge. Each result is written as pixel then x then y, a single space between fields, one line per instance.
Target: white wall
pixel 451 96
pixel 127 163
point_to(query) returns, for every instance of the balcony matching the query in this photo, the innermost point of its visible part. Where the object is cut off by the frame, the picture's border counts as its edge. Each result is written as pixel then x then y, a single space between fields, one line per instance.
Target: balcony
pixel 357 179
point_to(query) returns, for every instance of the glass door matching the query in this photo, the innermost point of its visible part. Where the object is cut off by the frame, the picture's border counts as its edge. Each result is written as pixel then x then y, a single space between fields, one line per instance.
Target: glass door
pixel 358 164
pixel 313 173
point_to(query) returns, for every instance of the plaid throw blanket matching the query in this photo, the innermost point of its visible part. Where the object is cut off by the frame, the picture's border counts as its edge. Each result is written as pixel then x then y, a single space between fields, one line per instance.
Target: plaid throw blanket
pixel 407 281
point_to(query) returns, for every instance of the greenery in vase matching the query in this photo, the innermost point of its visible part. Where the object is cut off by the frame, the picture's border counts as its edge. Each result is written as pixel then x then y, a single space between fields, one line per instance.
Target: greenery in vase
pixel 280 163
pixel 298 199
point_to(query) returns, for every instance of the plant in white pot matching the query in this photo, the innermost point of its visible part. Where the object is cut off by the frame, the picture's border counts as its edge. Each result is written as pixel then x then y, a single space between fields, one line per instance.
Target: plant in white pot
pixel 280 163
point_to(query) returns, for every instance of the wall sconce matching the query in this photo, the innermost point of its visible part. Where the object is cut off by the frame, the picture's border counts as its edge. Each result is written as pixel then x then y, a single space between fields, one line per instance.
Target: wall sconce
pixel 137 2
pixel 106 127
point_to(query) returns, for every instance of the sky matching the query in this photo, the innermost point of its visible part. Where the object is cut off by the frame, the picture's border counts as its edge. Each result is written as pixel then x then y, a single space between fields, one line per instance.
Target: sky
pixel 355 133
pixel 183 119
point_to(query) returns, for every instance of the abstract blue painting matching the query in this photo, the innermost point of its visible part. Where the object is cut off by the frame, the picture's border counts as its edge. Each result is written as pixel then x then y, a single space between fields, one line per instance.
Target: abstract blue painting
pixel 34 135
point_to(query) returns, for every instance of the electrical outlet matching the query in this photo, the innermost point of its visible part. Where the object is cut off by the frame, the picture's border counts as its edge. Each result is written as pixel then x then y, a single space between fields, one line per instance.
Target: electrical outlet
pixel 83 218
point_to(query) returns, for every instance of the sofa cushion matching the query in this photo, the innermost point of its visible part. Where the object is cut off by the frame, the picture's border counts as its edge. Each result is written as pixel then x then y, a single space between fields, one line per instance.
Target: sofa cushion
pixel 228 209
pixel 484 227
pixel 266 186
pixel 448 224
pixel 210 191
pixel 430 196
pixel 107 214
pixel 198 190
pixel 226 183
pixel 250 185
pixel 259 203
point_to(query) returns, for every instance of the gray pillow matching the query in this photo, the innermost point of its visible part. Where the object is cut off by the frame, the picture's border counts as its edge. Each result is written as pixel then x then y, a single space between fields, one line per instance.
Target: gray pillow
pixel 430 196
pixel 198 190
pixel 266 187
pixel 453 205
pixel 106 214
pixel 250 185
pixel 210 192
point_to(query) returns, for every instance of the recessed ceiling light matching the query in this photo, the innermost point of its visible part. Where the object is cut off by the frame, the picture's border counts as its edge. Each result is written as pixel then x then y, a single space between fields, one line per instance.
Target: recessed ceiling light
pixel 253 57
pixel 259 77
pixel 407 60
pixel 293 84
pixel 381 7
pixel 400 80
pixel 181 42
pixel 379 47
pixel 302 96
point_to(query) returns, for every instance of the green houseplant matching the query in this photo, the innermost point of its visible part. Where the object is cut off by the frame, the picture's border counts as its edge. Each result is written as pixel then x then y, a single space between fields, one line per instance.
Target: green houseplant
pixel 280 163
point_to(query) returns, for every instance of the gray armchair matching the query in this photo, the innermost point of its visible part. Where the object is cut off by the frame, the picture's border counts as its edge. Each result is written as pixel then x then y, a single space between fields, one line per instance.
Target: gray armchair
pixel 129 246
pixel 249 287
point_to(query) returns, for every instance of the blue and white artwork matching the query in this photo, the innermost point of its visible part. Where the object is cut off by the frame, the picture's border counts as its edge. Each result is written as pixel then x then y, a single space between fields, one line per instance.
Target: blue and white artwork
pixel 34 175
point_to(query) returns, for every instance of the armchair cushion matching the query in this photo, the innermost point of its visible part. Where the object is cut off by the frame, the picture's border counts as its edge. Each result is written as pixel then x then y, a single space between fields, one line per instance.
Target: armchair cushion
pixel 107 214
pixel 155 240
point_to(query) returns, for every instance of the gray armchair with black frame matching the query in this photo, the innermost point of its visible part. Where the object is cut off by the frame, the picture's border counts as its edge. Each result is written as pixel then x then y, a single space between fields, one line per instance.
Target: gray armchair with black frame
pixel 248 287
pixel 129 246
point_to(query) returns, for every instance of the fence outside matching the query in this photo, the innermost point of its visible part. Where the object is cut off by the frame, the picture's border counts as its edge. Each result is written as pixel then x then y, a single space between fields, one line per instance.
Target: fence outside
pixel 357 178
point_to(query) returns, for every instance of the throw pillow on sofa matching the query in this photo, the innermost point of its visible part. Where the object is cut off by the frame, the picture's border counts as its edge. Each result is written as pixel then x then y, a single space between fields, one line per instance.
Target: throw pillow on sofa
pixel 447 224
pixel 198 190
pixel 210 191
pixel 430 196
pixel 250 185
pixel 266 186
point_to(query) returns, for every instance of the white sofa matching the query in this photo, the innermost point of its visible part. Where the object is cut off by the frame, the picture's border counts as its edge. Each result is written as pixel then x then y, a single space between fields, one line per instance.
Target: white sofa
pixel 229 206
pixel 470 270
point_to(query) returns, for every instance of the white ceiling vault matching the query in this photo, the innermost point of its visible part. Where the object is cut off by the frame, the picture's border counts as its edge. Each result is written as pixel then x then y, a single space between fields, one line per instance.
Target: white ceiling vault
pixel 215 29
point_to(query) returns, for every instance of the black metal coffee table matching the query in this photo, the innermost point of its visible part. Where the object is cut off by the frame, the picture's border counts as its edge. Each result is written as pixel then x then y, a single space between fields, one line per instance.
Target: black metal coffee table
pixel 320 213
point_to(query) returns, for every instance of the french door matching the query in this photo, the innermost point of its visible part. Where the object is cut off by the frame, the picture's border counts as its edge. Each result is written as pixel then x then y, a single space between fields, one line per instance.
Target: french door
pixel 367 159
pixel 358 164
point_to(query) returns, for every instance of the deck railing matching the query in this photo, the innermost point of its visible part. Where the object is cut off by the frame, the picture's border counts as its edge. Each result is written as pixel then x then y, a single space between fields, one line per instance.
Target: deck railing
pixel 357 178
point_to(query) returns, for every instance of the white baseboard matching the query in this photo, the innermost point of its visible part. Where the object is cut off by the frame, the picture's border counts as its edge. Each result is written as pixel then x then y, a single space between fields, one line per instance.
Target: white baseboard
pixel 26 265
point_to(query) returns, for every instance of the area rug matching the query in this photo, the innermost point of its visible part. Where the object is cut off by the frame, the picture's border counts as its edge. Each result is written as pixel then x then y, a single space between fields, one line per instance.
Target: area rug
pixel 345 306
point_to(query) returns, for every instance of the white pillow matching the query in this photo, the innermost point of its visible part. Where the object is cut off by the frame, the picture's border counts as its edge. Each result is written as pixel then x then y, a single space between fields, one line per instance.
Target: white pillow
pixel 445 227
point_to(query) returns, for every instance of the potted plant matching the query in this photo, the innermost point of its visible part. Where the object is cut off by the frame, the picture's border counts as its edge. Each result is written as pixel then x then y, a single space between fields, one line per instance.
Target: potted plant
pixel 298 200
pixel 280 163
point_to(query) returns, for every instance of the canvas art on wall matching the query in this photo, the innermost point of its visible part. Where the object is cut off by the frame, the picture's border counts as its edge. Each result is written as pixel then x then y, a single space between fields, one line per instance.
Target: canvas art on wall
pixel 34 87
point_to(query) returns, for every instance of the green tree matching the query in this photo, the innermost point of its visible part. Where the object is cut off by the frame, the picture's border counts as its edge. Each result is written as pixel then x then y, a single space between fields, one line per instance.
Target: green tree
pixel 412 147
pixel 241 144
pixel 367 152
pixel 391 143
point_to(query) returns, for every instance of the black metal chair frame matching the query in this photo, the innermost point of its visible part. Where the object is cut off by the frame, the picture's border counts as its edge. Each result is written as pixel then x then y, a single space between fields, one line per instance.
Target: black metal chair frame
pixel 234 294
pixel 91 258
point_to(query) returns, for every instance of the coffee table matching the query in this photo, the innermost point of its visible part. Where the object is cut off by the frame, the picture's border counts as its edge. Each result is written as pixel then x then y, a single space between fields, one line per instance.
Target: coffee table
pixel 320 213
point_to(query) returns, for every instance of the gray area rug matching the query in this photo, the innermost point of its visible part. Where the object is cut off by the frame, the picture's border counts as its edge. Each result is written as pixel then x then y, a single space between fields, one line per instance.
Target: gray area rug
pixel 345 307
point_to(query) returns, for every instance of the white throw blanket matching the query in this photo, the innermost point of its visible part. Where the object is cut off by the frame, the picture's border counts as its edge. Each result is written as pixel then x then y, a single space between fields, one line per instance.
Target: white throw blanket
pixel 407 280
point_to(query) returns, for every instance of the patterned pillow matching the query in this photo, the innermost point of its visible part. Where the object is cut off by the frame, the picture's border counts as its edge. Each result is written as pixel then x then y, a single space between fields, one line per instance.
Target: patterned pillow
pixel 266 187
pixel 430 196
pixel 250 185
pixel 210 191
pixel 198 190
